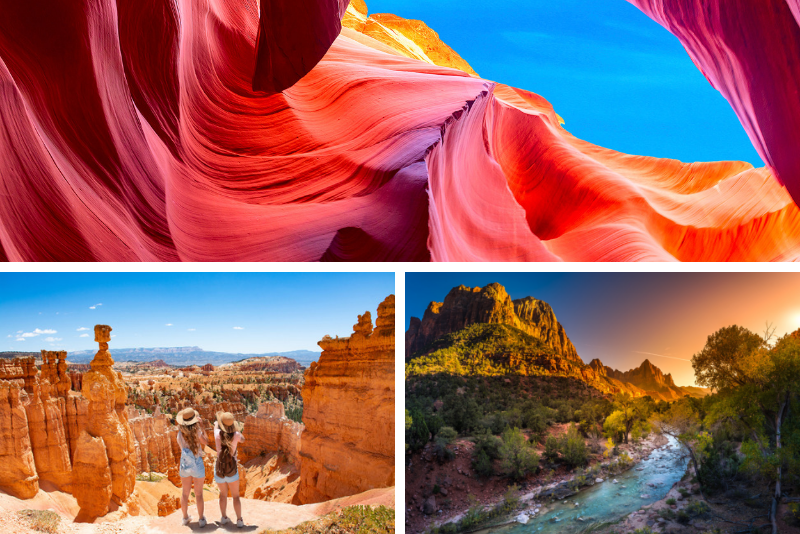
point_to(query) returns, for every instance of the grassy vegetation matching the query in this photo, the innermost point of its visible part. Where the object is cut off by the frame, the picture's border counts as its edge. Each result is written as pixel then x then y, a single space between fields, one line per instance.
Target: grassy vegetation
pixel 42 520
pixel 350 520
pixel 149 477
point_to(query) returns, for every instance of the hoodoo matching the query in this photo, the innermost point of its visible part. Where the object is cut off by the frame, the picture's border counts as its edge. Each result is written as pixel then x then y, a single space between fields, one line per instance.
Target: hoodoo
pixel 348 443
pixel 106 448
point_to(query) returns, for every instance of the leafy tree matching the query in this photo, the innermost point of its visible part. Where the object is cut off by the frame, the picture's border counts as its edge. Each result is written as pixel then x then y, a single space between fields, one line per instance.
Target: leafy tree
pixel 443 439
pixel 758 384
pixel 417 435
pixel 461 412
pixel 519 458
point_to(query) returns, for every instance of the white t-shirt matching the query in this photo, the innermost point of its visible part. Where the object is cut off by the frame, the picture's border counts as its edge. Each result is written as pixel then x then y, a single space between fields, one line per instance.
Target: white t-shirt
pixel 200 438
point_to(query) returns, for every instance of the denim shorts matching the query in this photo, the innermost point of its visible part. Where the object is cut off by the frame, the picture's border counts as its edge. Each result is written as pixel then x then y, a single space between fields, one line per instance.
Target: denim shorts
pixel 191 465
pixel 224 480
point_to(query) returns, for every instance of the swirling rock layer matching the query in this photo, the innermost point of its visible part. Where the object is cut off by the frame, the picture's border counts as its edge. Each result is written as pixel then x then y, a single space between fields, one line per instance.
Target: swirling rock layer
pixel 152 130
pixel 348 410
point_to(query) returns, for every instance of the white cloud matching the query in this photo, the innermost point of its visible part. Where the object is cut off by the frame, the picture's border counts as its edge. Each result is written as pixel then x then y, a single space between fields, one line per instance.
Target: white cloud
pixel 168 324
pixel 95 306
pixel 238 328
pixel 81 329
pixel 9 335
pixel 189 329
pixel 19 331
pixel 84 335
pixel 37 332
pixel 113 335
pixel 51 339
pixel 20 339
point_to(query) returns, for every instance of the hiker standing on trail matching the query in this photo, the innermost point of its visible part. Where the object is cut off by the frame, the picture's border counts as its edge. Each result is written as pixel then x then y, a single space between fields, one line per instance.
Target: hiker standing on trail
pixel 227 435
pixel 191 440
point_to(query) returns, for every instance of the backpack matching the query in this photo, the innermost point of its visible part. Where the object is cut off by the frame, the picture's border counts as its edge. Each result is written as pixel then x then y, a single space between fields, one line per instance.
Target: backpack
pixel 226 463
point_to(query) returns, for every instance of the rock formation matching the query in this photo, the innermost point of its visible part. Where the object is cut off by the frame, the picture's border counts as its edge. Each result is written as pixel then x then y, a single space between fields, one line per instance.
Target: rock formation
pixel 152 438
pixel 54 370
pixel 412 38
pixel 48 436
pixel 105 450
pixel 18 475
pixel 434 165
pixel 270 431
pixel 348 409
pixel 464 306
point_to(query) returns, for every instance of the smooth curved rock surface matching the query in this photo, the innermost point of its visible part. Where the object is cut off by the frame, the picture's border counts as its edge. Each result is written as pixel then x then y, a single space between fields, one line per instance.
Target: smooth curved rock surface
pixel 122 139
pixel 749 51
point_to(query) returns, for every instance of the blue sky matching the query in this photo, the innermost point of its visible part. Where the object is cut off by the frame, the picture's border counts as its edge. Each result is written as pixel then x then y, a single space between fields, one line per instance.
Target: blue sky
pixel 625 318
pixel 226 312
pixel 617 78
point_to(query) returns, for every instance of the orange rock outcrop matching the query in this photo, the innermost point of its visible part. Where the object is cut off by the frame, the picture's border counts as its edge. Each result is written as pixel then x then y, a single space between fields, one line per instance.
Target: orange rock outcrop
pixel 270 431
pixel 411 38
pixel 152 435
pixel 54 370
pixel 348 443
pixel 18 476
pixel 106 448
pixel 48 436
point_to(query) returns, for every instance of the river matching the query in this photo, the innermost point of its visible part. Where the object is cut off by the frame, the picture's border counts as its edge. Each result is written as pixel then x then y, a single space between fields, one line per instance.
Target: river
pixel 608 502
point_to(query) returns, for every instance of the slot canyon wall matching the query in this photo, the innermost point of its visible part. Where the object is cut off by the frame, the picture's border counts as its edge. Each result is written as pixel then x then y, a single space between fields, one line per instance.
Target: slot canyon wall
pixel 348 443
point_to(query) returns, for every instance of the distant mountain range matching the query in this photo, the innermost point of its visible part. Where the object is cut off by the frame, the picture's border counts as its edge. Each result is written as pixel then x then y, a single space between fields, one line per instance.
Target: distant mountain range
pixel 482 331
pixel 185 356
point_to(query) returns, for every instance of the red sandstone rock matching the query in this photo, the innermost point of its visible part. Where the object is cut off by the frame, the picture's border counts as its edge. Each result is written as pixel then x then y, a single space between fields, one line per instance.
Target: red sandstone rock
pixel 293 36
pixel 348 409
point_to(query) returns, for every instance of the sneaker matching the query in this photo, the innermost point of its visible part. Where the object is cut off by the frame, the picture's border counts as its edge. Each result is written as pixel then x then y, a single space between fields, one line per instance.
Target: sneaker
pixel 224 521
pixel 202 522
pixel 186 520
pixel 239 523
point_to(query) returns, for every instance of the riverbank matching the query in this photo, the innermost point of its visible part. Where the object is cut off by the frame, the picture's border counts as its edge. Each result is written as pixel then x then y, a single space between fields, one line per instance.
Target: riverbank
pixel 456 481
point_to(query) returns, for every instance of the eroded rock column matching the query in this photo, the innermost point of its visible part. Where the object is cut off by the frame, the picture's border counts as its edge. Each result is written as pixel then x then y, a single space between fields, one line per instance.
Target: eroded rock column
pixel 107 421
pixel 348 397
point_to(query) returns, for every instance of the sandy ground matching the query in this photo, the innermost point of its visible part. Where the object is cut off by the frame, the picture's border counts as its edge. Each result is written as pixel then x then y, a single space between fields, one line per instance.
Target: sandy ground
pixel 257 515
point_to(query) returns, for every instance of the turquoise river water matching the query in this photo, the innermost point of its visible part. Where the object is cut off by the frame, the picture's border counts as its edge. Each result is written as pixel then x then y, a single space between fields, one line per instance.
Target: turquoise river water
pixel 607 502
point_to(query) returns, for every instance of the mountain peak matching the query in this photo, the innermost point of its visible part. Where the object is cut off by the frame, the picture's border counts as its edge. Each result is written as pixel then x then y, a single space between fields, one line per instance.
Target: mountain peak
pixel 491 304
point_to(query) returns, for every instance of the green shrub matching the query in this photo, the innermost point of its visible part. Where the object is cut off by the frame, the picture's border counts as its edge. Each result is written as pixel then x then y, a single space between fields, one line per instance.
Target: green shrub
pixel 644 530
pixel 683 517
pixel 519 458
pixel 671 501
pixel 573 448
pixel 698 508
pixel 551 449
pixel 684 492
pixel 482 464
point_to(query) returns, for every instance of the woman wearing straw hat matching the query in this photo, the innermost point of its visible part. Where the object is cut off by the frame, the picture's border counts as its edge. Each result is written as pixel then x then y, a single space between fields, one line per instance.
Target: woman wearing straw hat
pixel 227 435
pixel 191 440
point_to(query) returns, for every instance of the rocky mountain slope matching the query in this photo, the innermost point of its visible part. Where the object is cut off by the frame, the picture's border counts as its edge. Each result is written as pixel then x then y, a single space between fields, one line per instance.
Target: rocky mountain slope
pixel 483 331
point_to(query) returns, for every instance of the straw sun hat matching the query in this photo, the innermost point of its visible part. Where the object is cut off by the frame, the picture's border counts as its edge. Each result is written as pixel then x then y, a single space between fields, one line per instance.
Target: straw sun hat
pixel 228 423
pixel 187 416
